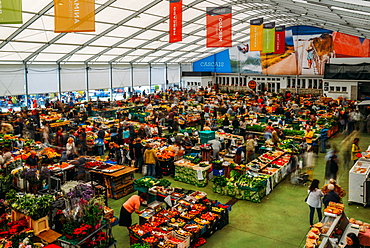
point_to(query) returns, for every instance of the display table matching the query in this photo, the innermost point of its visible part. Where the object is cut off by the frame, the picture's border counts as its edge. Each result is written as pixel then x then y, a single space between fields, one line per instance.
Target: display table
pixel 191 174
pixel 364 237
pixel 118 183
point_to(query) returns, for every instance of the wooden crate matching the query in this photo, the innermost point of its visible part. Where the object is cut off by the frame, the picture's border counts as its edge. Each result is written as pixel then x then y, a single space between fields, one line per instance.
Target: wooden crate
pixel 39 225
pixel 17 215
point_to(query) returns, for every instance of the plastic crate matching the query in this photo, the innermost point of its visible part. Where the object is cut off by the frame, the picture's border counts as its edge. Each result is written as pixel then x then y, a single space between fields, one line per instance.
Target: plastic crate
pixel 205 140
pixel 207 135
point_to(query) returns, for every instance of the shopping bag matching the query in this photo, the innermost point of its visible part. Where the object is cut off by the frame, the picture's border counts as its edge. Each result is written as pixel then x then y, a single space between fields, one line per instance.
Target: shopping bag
pixel 145 169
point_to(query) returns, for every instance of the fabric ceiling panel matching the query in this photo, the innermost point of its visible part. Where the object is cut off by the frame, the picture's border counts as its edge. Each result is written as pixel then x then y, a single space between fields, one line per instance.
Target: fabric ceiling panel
pixel 73 78
pixel 99 77
pixel 173 73
pixel 141 75
pixel 121 76
pixel 158 74
pixel 42 79
pixel 11 80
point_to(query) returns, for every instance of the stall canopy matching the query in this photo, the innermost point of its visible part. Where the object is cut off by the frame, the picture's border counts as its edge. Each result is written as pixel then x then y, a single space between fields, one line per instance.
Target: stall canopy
pixel 131 31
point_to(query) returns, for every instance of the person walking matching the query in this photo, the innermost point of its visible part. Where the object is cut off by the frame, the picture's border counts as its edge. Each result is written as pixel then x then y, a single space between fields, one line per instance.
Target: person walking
pixel 331 196
pixel 314 200
pixel 355 150
pixel 150 160
pixel 130 206
pixel 250 148
pixel 332 165
pixel 71 149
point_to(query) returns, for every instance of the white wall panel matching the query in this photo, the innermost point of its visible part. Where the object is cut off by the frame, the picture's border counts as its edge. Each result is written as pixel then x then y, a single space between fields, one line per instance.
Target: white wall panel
pixel 11 80
pixel 173 73
pixel 121 76
pixel 42 79
pixel 141 75
pixel 158 74
pixel 99 77
pixel 73 77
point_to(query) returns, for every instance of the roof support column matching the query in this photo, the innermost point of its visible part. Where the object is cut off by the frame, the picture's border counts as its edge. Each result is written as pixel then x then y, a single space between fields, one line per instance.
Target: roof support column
pixel 87 81
pixel 132 79
pixel 59 80
pixel 26 84
pixel 150 78
pixel 166 70
pixel 111 81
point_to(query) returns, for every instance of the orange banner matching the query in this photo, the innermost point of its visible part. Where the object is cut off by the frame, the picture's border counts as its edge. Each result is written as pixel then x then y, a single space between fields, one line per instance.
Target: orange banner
pixel 219 27
pixel 74 16
pixel 256 34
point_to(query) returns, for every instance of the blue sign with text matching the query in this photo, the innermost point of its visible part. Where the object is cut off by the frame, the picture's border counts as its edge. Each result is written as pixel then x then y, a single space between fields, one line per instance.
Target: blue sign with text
pixel 219 63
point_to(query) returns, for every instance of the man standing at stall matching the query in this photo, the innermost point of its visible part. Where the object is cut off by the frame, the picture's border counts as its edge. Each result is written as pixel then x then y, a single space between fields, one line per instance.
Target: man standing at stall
pixel 32 160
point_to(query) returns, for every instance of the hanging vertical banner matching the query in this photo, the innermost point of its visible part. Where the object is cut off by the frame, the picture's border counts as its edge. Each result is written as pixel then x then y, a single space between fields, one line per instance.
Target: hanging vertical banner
pixel 219 27
pixel 175 20
pixel 256 34
pixel 74 16
pixel 11 11
pixel 279 39
pixel 268 45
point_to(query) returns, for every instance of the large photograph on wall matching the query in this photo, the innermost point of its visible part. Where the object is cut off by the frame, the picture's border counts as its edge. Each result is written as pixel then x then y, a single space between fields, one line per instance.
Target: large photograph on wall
pixel 283 63
pixel 307 50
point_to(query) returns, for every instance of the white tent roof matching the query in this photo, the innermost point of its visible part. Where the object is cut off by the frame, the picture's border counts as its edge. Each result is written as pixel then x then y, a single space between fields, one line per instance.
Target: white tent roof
pixel 136 31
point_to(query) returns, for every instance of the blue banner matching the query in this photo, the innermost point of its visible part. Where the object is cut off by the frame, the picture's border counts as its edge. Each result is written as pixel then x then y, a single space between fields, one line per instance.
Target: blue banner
pixel 219 63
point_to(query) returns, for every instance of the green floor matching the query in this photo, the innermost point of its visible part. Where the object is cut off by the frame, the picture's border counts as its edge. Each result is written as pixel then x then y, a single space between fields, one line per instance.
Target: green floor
pixel 280 220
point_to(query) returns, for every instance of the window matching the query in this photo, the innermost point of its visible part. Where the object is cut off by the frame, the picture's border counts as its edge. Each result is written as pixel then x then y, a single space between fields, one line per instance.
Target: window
pixel 263 79
pixel 216 80
pixel 245 82
pixel 344 89
pixel 320 84
pixel 258 79
pixel 298 83
pixel 288 83
pixel 315 83
pixel 227 81
pixel 278 79
pixel 277 87
pixel 337 89
pixel 331 88
pixel 293 82
pixel 303 83
pixel 310 83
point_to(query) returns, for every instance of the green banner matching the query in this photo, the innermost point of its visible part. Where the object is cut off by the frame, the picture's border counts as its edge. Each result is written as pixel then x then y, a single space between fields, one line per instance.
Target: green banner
pixel 11 12
pixel 268 45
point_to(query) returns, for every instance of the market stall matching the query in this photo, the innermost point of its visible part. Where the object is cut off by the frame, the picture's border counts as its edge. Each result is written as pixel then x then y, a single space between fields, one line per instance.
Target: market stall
pixel 178 218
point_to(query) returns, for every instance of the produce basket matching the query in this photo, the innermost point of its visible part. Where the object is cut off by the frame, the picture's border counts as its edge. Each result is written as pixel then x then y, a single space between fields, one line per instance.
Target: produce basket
pixel 207 135
pixel 142 184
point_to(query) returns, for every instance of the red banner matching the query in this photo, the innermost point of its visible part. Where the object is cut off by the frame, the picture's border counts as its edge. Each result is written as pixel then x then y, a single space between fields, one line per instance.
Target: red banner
pixel 280 40
pixel 175 20
pixel 219 27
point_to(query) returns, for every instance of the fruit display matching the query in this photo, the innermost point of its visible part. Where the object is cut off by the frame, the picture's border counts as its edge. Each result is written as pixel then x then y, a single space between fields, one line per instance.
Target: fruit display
pixel 49 152
pixel 334 208
pixel 93 164
pixel 61 166
pixel 165 154
pixel 147 182
pixel 141 229
pixel 180 225
pixel 189 174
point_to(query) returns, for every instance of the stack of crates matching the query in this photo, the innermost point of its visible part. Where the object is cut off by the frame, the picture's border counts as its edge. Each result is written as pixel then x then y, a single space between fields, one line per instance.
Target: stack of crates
pixel 206 136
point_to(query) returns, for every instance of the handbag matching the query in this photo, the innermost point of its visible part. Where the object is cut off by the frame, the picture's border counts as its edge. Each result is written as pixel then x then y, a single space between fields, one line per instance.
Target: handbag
pixel 359 155
pixel 305 200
